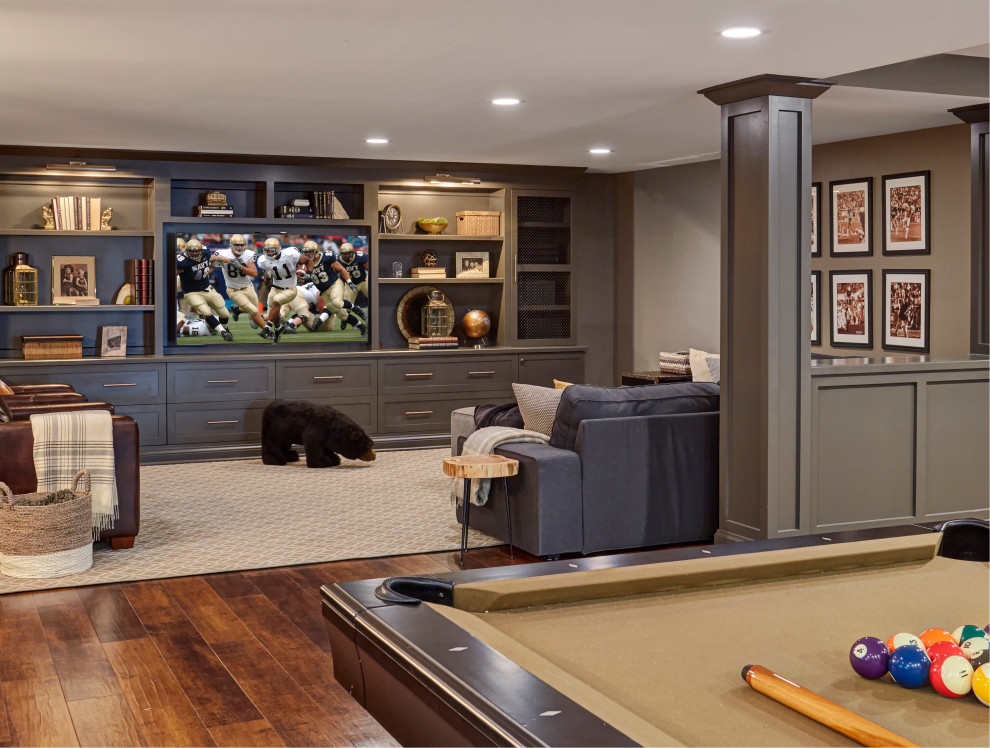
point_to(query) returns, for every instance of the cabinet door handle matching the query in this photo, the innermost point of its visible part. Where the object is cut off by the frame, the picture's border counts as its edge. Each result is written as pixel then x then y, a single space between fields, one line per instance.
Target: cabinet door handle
pixel 515 269
pixel 211 423
pixel 122 384
pixel 335 377
pixel 481 373
pixel 419 412
pixel 221 381
pixel 424 374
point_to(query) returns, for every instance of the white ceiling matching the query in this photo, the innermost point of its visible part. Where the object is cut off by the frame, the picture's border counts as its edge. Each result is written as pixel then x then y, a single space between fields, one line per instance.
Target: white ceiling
pixel 316 77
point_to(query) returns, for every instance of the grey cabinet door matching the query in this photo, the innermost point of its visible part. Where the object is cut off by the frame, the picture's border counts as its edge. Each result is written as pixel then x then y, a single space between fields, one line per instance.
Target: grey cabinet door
pixel 542 368
pixel 235 380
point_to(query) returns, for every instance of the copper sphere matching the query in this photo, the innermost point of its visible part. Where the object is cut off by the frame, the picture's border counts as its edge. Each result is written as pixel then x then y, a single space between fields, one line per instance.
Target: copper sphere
pixel 476 324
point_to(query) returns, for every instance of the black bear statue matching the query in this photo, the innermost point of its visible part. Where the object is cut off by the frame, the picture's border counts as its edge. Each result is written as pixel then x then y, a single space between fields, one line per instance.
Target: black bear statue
pixel 324 433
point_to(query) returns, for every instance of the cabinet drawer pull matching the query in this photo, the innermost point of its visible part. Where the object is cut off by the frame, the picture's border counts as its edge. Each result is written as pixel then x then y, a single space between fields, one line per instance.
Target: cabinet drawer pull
pixel 221 381
pixel 481 373
pixel 419 412
pixel 212 423
pixel 424 374
pixel 335 376
pixel 122 384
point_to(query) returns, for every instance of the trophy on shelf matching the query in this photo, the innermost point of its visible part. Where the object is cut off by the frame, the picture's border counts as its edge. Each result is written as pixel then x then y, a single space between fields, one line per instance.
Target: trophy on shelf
pixel 105 217
pixel 49 216
pixel 215 205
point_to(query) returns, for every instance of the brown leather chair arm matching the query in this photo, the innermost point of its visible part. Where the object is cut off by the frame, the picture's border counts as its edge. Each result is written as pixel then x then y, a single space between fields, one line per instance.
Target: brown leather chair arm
pixel 24 412
pixel 53 398
pixel 40 389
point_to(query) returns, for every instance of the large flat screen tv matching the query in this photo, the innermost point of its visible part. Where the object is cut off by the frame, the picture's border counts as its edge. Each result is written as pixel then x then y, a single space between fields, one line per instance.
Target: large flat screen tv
pixel 263 289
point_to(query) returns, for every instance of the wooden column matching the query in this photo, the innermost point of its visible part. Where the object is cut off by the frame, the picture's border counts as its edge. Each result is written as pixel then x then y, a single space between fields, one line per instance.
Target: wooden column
pixel 979 328
pixel 764 471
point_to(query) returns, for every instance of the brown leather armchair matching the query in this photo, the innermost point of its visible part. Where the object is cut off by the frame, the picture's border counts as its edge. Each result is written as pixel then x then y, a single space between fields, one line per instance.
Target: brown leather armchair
pixel 17 447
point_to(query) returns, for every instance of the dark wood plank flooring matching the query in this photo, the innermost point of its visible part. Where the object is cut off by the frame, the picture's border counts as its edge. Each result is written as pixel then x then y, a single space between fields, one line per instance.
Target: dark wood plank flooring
pixel 236 659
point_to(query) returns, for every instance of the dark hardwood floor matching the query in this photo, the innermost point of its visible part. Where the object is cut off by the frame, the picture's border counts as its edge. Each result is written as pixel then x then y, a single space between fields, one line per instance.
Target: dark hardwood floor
pixel 236 659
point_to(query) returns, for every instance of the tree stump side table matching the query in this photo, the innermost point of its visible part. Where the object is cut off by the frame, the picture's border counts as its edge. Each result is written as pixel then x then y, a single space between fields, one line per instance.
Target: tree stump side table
pixel 469 467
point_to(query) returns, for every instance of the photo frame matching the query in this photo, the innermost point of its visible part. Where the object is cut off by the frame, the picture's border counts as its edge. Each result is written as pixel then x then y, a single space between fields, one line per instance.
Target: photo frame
pixel 851 296
pixel 73 280
pixel 816 307
pixel 113 341
pixel 907 213
pixel 906 310
pixel 816 219
pixel 471 265
pixel 851 217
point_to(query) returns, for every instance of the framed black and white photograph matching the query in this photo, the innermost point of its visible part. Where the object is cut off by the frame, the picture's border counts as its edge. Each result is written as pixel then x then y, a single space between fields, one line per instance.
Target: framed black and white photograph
pixel 851 217
pixel 816 307
pixel 906 214
pixel 113 341
pixel 471 264
pixel 851 305
pixel 816 212
pixel 906 310
pixel 73 278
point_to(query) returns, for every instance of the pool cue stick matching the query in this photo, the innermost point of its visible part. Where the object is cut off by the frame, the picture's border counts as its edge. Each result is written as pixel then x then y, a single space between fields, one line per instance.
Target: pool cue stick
pixel 820 709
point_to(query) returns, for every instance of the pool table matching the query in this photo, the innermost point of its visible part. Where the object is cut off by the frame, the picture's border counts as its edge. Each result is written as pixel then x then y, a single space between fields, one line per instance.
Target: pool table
pixel 648 648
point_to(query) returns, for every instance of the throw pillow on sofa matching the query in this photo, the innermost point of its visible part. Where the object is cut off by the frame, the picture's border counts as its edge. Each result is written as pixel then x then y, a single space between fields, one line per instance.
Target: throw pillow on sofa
pixel 538 406
pixel 705 367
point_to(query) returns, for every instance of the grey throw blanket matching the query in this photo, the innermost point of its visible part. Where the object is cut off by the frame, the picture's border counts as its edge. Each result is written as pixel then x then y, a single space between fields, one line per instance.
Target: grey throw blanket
pixel 483 442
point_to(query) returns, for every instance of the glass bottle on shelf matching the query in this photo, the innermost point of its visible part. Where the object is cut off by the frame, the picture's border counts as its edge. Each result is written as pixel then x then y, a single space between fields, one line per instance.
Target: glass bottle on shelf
pixel 20 282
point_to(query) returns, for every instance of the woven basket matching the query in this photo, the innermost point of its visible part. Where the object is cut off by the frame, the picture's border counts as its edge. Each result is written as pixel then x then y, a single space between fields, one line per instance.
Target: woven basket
pixel 46 541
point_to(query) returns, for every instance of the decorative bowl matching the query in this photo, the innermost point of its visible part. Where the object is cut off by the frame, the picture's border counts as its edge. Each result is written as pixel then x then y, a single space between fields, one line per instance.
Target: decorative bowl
pixel 432 228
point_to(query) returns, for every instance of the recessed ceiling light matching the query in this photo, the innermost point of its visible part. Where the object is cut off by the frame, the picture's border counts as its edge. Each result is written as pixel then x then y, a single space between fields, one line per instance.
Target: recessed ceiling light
pixel 741 32
pixel 376 141
pixel 599 150
pixel 506 101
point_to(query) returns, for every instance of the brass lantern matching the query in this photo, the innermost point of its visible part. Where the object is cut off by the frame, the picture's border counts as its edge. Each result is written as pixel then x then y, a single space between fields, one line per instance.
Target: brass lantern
pixel 20 282
pixel 438 316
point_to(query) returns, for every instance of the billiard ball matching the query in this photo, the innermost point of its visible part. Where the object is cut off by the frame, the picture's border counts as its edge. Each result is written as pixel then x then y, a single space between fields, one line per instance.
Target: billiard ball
pixel 903 640
pixel 868 657
pixel 930 636
pixel 943 649
pixel 981 683
pixel 976 647
pixel 952 676
pixel 963 633
pixel 909 666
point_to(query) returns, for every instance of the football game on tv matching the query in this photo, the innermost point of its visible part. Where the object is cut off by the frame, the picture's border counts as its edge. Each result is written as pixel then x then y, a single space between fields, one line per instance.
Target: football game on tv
pixel 271 288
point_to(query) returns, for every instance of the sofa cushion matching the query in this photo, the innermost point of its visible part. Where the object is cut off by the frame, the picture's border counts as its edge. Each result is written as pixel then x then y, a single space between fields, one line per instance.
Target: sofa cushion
pixel 582 402
pixel 538 406
pixel 705 367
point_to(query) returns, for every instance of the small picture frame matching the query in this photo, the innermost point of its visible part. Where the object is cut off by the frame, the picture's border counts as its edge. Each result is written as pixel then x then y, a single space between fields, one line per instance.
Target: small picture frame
pixel 851 294
pixel 851 217
pixel 113 341
pixel 816 307
pixel 816 217
pixel 471 265
pixel 906 310
pixel 73 279
pixel 906 214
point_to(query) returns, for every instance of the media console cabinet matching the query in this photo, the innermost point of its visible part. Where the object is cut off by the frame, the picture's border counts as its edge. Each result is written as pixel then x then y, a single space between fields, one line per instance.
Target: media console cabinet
pixel 203 407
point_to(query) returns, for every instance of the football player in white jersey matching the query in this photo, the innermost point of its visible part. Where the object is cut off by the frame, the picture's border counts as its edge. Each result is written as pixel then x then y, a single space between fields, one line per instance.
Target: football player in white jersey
pixel 279 265
pixel 239 269
pixel 192 325
pixel 300 308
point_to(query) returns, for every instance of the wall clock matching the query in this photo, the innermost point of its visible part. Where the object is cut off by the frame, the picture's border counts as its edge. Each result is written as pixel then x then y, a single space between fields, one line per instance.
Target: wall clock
pixel 391 217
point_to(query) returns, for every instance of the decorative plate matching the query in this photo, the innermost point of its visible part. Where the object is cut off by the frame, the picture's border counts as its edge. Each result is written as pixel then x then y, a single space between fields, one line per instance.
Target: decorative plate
pixel 409 312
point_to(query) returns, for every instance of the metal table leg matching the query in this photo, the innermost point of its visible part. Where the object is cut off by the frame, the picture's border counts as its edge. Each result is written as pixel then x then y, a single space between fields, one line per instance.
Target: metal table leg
pixel 465 516
pixel 508 512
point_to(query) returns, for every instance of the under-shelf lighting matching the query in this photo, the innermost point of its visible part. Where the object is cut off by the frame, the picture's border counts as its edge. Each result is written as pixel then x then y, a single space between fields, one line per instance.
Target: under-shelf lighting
pixel 506 101
pixel 446 180
pixel 741 32
pixel 80 166
pixel 376 141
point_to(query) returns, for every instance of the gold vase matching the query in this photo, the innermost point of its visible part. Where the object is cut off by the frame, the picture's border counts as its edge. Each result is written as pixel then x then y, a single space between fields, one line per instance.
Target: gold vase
pixel 20 282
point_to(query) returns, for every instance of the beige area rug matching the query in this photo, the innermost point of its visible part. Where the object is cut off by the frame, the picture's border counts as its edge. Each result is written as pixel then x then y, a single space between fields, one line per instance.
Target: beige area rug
pixel 210 517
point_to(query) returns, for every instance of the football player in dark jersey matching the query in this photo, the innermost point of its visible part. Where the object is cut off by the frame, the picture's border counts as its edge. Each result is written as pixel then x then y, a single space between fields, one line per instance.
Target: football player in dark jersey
pixel 193 268
pixel 356 265
pixel 329 277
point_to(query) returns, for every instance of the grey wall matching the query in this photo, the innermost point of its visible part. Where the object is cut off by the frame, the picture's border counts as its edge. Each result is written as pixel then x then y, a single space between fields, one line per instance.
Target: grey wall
pixel 667 280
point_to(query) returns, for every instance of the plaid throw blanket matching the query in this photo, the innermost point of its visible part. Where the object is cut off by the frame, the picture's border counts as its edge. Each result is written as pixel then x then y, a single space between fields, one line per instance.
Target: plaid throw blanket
pixel 483 442
pixel 64 444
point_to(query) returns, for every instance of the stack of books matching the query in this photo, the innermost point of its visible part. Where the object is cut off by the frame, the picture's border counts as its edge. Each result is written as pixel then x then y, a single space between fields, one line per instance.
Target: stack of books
pixel 449 342
pixel 298 208
pixel 141 275
pixel 429 273
pixel 328 206
pixel 76 213
pixel 207 211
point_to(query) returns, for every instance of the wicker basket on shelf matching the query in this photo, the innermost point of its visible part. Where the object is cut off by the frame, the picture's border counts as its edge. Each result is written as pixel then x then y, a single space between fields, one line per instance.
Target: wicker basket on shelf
pixel 40 540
